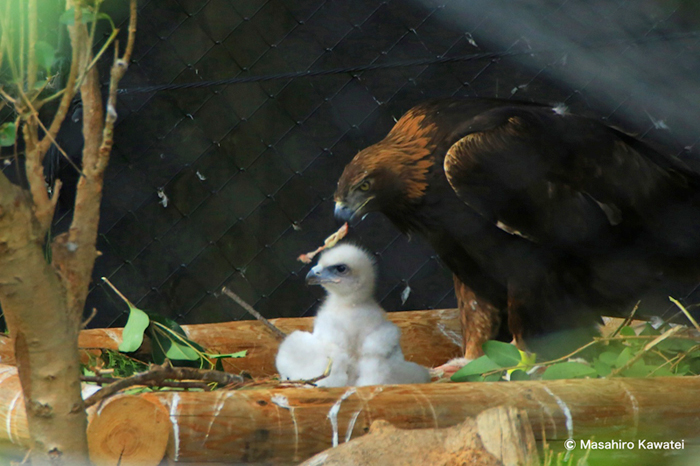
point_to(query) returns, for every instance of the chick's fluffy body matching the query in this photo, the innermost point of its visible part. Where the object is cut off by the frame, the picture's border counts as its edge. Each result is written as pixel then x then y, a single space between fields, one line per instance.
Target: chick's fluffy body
pixel 350 330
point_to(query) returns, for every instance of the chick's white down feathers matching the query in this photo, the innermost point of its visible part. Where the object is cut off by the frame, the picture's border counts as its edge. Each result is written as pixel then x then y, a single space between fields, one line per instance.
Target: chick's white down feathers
pixel 350 329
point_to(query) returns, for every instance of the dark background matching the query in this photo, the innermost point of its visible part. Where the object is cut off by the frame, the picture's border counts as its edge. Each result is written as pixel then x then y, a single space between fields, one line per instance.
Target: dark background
pixel 249 169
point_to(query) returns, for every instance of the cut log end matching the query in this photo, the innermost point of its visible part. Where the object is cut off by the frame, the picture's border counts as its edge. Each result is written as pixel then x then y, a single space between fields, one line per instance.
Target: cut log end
pixel 129 430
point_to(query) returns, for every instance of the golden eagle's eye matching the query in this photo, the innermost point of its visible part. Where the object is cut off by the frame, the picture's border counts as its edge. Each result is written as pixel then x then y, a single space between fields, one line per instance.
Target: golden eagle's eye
pixel 364 186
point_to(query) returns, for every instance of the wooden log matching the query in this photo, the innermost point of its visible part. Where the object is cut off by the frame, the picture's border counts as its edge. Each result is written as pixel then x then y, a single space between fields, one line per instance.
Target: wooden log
pixel 124 429
pixel 496 437
pixel 288 425
pixel 429 338
pixel 12 414
pixel 128 430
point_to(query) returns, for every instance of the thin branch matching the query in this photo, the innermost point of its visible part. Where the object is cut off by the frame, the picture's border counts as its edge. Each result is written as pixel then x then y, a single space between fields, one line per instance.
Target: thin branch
pixel 48 134
pixel 152 383
pixel 68 94
pixel 595 341
pixel 668 333
pixel 32 68
pixel 92 315
pixel 627 320
pixel 117 73
pixel 22 41
pixel 278 333
pixel 685 311
pixel 159 374
pixel 34 169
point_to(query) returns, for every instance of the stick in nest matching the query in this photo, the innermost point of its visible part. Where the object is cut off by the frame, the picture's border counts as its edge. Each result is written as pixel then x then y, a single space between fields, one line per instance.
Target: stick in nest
pixel 156 375
pixel 278 333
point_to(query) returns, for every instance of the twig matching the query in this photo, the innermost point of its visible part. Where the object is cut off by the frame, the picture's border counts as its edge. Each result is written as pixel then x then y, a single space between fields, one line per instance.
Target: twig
pixel 645 350
pixel 32 27
pixel 627 320
pixel 66 94
pixel 587 345
pixel 48 134
pixel 278 333
pixel 150 383
pixel 92 315
pixel 685 311
pixel 158 374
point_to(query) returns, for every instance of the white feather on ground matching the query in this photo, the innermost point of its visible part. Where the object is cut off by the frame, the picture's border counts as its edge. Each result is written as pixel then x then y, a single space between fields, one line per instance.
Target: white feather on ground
pixel 350 328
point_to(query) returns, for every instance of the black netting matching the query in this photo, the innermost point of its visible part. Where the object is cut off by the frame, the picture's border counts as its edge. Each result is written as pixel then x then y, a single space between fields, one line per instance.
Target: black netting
pixel 248 170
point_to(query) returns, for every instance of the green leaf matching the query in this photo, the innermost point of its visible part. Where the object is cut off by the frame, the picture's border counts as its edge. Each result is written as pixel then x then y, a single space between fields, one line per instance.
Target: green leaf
pixel 568 370
pixel 179 351
pixel 68 17
pixel 665 372
pixel 8 133
pixel 240 354
pixel 602 368
pixel 470 378
pixel 682 369
pixel 676 345
pixel 519 375
pixel 39 84
pixel 169 323
pixel 493 377
pixel 622 358
pixel 648 330
pixel 45 55
pixel 132 336
pixel 475 367
pixel 638 369
pixel 627 331
pixel 165 345
pixel 503 354
pixel 609 357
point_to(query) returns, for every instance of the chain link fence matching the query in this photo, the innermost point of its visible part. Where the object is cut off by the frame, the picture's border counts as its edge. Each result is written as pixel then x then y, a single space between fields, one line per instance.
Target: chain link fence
pixel 227 184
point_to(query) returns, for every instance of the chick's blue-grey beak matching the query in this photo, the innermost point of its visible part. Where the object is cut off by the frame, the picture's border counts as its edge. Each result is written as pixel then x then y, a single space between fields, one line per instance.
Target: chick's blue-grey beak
pixel 317 276
pixel 342 212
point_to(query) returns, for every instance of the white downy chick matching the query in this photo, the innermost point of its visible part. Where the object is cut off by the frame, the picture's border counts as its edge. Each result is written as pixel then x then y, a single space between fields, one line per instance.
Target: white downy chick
pixel 381 360
pixel 350 327
pixel 303 356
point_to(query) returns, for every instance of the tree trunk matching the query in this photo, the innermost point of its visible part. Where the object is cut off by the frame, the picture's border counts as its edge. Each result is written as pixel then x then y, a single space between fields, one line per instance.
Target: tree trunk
pixel 34 302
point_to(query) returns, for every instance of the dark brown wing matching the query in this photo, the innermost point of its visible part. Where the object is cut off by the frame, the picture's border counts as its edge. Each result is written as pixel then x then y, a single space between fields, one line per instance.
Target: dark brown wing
pixel 563 179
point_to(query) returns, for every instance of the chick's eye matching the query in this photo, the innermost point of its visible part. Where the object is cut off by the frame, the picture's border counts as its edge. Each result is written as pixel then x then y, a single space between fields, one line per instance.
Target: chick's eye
pixel 364 186
pixel 341 268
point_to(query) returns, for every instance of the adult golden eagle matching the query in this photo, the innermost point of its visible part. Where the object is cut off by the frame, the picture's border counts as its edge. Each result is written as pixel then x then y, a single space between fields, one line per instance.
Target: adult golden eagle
pixel 546 219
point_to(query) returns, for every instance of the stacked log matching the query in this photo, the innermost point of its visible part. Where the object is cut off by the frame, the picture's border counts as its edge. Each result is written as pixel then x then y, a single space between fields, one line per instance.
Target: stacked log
pixel 287 425
pixel 428 337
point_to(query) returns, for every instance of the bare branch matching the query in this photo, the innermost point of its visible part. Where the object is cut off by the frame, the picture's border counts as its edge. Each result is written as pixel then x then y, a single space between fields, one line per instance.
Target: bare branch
pixel 119 68
pixel 92 315
pixel 32 68
pixel 35 172
pixel 4 34
pixel 68 93
pixel 158 374
pixel 668 333
pixel 278 333
pixel 151 383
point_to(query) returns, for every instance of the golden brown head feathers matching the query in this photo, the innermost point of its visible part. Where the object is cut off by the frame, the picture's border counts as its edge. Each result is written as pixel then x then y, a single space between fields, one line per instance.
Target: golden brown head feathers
pixel 396 167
